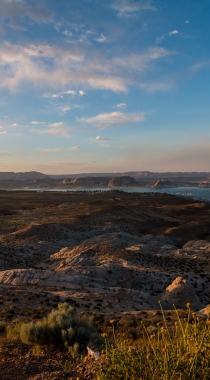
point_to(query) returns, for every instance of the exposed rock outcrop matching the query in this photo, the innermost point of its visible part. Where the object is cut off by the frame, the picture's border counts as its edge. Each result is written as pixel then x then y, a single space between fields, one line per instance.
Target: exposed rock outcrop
pixel 181 292
pixel 122 181
pixel 204 313
pixel 161 183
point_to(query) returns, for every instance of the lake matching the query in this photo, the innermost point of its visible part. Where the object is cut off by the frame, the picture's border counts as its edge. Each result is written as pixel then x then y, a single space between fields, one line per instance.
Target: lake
pixel 199 193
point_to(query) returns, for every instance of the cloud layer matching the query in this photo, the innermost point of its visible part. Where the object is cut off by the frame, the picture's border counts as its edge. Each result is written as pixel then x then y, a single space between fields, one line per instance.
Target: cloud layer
pixel 127 7
pixel 56 68
pixel 16 12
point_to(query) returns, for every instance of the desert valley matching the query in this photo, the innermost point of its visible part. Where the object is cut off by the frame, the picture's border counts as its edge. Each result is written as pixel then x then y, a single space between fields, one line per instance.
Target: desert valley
pixel 109 254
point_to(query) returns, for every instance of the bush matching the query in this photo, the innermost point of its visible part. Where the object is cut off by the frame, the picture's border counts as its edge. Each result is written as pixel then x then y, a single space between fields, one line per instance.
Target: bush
pixel 2 327
pixel 62 328
pixel 13 331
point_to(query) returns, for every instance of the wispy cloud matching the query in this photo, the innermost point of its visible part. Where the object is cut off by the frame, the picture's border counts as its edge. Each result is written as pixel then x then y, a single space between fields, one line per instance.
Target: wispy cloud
pixel 200 66
pixel 59 94
pixel 15 13
pixel 120 105
pixel 151 87
pixel 64 109
pixel 127 7
pixel 173 32
pixel 67 33
pixel 139 62
pixel 59 129
pixel 38 122
pixel 70 92
pixel 77 147
pixel 99 139
pixel 57 68
pixel 57 125
pixel 113 119
pixel 102 38
pixel 160 39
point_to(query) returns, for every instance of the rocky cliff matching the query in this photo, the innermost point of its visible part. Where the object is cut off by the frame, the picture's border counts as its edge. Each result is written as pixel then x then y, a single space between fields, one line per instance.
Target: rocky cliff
pixel 122 181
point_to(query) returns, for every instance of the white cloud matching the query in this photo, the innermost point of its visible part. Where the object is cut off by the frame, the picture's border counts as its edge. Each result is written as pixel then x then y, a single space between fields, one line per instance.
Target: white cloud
pixel 187 22
pixel 126 7
pixel 101 39
pixel 48 95
pixel 200 66
pixel 120 105
pixel 157 86
pixel 3 132
pixel 38 122
pixel 67 33
pixel 57 68
pixel 57 125
pixel 76 147
pixel 174 32
pixel 56 131
pixel 49 150
pixel 140 61
pixel 64 109
pixel 99 139
pixel 59 94
pixel 70 92
pixel 14 125
pixel 113 119
pixel 59 129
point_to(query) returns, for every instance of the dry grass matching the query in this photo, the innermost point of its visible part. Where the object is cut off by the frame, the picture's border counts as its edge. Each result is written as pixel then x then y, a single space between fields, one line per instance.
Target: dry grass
pixel 178 353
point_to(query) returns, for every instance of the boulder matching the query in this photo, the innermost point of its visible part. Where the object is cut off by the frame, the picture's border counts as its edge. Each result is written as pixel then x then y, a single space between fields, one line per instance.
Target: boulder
pixel 181 292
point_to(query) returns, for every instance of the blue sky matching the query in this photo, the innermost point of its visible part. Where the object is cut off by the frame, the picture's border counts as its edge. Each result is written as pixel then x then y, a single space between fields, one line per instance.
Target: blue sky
pixel 104 85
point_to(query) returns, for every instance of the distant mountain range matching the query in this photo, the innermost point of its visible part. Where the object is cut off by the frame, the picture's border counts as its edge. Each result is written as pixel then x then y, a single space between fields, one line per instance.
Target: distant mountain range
pixel 138 175
pixel 22 176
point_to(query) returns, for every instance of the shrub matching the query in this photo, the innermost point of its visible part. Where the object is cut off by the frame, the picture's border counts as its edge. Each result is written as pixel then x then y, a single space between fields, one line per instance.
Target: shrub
pixel 2 327
pixel 62 328
pixel 13 331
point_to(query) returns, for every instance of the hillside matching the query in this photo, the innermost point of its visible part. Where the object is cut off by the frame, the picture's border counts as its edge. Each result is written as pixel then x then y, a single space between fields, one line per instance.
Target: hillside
pixel 108 254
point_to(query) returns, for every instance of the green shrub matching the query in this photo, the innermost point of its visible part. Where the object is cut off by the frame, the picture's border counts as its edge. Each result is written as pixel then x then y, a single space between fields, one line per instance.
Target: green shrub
pixel 62 328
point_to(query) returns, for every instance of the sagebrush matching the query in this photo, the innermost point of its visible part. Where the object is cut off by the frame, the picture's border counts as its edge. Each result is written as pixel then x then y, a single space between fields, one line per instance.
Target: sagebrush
pixel 62 329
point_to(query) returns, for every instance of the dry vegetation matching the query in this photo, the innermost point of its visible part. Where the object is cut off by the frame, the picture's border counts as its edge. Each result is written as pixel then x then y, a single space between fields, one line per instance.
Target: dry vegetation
pixel 110 256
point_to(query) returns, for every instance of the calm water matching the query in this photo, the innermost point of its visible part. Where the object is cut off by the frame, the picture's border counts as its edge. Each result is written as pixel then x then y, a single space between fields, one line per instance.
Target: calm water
pixel 195 192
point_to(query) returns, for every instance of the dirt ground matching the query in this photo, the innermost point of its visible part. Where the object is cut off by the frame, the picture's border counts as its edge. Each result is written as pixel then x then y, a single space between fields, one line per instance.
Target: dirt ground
pixel 109 254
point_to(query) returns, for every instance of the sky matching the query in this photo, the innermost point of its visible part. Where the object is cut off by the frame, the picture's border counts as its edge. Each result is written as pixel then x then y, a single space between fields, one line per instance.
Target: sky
pixel 91 86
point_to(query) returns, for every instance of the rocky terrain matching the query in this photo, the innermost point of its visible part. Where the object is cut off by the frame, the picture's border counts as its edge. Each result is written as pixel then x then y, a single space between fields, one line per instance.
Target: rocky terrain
pixel 36 180
pixel 107 253
pixel 130 250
